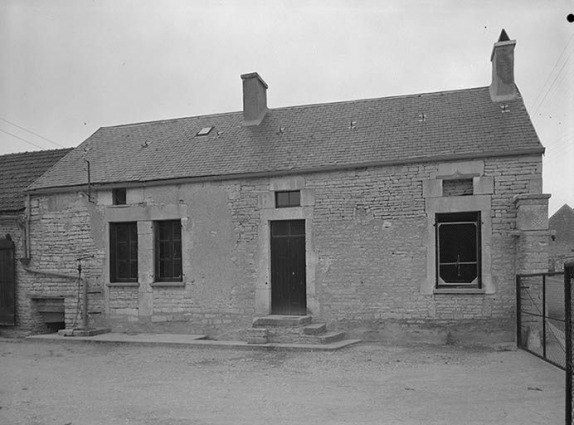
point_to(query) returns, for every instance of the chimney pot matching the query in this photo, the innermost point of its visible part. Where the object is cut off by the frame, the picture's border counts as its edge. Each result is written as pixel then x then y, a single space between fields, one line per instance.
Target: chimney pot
pixel 503 87
pixel 254 99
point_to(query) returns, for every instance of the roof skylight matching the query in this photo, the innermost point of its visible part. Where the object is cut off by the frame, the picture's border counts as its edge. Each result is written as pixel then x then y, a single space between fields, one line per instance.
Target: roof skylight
pixel 204 131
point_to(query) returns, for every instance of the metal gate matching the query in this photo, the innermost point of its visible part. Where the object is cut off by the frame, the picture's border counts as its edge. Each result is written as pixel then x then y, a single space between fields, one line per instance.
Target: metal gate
pixel 568 297
pixel 541 316
pixel 7 283
pixel 545 321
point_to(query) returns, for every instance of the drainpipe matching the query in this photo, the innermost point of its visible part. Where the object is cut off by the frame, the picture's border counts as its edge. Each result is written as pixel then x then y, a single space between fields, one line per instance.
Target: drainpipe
pixel 27 228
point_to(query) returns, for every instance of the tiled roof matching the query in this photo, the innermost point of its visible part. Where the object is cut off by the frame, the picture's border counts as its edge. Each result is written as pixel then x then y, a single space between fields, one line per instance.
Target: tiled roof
pixel 562 221
pixel 296 139
pixel 18 171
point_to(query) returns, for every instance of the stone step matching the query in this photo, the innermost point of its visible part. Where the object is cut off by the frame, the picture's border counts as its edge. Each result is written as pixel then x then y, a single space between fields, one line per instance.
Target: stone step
pixel 281 321
pixel 330 337
pixel 325 338
pixel 315 329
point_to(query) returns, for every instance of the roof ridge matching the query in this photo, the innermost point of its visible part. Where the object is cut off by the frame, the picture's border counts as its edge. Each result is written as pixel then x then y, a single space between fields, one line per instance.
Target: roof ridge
pixel 43 151
pixel 170 120
pixel 373 99
pixel 309 105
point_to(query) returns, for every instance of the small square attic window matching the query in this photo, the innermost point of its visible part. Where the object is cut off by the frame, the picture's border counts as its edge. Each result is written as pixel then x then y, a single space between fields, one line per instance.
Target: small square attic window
pixel 119 196
pixel 285 199
pixel 204 131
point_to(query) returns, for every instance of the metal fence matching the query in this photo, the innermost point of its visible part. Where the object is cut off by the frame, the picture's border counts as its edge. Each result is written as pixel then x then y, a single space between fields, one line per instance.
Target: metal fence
pixel 541 316
pixel 545 322
pixel 569 296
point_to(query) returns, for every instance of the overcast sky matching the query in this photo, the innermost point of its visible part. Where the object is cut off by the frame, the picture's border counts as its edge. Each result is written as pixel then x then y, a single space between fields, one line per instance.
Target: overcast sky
pixel 70 67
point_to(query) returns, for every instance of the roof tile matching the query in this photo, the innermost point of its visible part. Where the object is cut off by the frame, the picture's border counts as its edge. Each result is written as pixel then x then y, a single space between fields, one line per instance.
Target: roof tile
pixel 18 171
pixel 463 122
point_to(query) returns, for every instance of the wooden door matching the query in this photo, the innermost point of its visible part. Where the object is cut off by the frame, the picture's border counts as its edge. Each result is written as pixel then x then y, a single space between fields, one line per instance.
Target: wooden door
pixel 288 271
pixel 7 283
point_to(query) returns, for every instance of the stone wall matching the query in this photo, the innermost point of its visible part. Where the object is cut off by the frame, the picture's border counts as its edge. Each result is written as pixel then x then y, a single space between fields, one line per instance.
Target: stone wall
pixel 367 251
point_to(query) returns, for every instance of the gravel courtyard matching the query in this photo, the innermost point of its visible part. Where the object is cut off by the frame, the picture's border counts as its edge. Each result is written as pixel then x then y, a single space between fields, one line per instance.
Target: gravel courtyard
pixel 83 384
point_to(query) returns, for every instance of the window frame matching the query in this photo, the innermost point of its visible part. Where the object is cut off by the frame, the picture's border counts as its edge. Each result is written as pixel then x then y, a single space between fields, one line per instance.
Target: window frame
pixel 175 246
pixel 293 198
pixel 460 218
pixel 119 196
pixel 132 245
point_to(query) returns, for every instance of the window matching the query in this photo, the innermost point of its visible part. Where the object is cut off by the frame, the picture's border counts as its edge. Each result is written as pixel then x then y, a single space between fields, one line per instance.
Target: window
pixel 123 252
pixel 287 199
pixel 458 250
pixel 119 196
pixel 168 251
pixel 204 131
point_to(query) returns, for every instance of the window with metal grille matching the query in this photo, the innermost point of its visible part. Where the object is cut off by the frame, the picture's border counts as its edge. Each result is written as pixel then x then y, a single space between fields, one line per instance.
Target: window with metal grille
pixel 168 251
pixel 458 250
pixel 123 252
pixel 119 196
pixel 285 199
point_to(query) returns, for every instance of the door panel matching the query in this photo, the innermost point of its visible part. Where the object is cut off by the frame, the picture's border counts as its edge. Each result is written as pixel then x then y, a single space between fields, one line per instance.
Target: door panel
pixel 288 272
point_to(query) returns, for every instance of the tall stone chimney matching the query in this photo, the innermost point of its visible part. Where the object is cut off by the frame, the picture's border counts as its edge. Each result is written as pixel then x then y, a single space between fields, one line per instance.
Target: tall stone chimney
pixel 502 87
pixel 254 99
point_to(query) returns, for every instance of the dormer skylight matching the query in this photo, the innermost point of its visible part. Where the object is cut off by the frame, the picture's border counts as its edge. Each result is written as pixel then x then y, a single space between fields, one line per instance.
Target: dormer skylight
pixel 204 131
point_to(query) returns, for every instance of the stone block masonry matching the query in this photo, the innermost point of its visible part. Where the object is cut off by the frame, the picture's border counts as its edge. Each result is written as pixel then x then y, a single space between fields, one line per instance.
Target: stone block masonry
pixel 367 252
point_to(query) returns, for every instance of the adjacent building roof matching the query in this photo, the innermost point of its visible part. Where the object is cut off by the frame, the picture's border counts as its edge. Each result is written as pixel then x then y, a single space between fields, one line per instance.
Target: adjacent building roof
pixel 18 171
pixel 562 222
pixel 425 127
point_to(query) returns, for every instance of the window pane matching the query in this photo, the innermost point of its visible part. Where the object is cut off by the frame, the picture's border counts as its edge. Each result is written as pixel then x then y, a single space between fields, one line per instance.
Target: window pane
pixel 164 268
pixel 458 251
pixel 457 242
pixel 177 268
pixel 164 250
pixel 282 199
pixel 462 273
pixel 123 252
pixel 119 196
pixel 288 199
pixel 168 250
pixel 177 250
pixel 295 198
pixel 280 228
pixel 122 269
pixel 298 227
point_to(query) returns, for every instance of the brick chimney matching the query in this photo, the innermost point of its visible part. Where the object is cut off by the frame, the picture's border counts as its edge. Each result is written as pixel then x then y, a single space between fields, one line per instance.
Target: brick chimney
pixel 502 87
pixel 254 99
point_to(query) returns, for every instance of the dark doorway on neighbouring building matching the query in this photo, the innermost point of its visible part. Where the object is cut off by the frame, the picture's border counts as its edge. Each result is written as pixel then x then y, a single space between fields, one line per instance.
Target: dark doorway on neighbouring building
pixel 7 283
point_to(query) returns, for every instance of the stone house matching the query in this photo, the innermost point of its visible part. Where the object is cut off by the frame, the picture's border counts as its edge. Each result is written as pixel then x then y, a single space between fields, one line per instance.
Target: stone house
pixel 17 172
pixel 405 215
pixel 562 246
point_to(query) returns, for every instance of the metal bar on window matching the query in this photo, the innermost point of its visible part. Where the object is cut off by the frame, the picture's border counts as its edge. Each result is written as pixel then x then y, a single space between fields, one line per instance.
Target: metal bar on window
pixel 568 277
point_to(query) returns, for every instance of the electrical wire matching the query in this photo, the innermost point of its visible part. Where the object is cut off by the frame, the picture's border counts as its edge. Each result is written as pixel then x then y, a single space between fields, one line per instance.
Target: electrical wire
pixel 553 82
pixel 31 132
pixel 24 140
pixel 555 65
